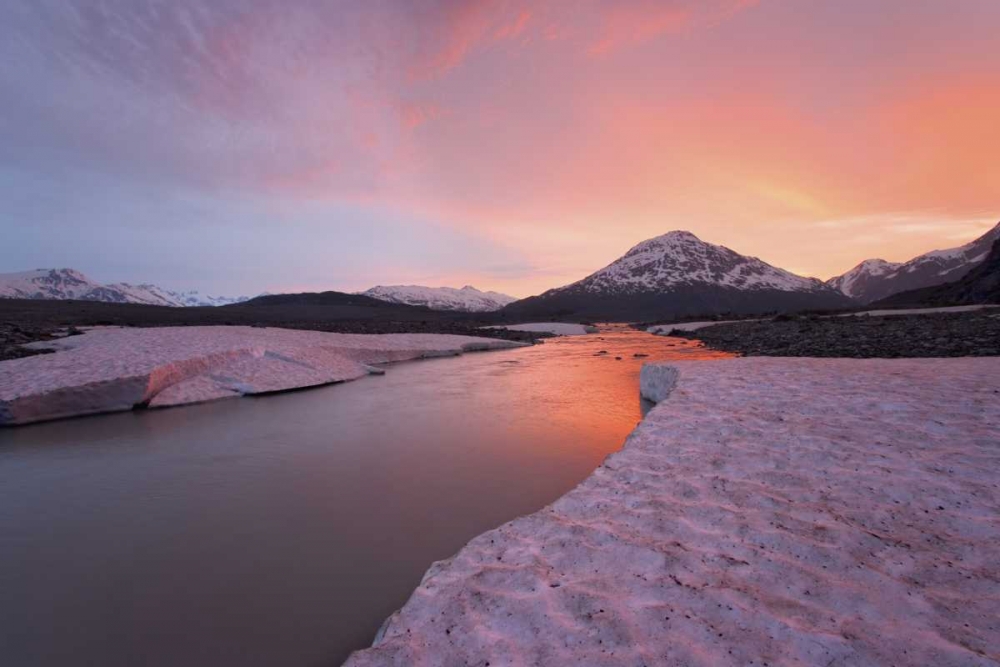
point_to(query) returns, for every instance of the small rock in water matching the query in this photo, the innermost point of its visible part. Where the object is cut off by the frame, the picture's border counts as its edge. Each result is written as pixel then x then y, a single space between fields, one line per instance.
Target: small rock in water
pixel 618 358
pixel 639 355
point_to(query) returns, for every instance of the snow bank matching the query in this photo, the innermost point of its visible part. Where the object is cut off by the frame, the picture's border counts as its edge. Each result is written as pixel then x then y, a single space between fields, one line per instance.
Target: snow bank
pixel 922 311
pixel 770 511
pixel 556 328
pixel 108 370
pixel 656 381
pixel 665 329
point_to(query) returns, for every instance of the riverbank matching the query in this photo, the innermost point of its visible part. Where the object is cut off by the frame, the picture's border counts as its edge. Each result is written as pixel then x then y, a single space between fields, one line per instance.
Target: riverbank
pixel 941 334
pixel 768 511
pixel 30 320
pixel 118 369
pixel 551 328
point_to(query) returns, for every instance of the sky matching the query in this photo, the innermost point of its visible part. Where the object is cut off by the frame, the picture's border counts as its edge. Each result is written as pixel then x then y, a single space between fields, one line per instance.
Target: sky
pixel 241 146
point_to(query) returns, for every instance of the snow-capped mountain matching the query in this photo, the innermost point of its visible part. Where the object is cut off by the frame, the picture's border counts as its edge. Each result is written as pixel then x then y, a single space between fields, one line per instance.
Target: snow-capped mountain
pixel 70 284
pixel 978 286
pixel 45 284
pixel 196 298
pixel 876 279
pixel 679 274
pixel 679 258
pixel 468 299
pixel 855 282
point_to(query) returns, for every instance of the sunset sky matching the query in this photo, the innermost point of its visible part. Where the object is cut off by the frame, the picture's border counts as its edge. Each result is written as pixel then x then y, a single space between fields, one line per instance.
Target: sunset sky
pixel 237 146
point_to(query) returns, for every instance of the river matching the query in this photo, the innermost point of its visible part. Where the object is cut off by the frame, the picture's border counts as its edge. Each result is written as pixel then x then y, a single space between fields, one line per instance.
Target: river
pixel 285 529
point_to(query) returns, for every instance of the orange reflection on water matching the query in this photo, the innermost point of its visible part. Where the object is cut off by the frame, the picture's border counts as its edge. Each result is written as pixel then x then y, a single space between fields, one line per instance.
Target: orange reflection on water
pixel 588 386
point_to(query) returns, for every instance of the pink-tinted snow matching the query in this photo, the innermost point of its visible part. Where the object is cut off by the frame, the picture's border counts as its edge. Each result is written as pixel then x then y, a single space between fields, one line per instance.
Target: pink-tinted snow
pixel 767 512
pixel 108 370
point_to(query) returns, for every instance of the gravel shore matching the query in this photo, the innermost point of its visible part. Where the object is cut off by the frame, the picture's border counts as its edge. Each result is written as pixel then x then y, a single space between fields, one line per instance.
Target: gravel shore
pixel 973 334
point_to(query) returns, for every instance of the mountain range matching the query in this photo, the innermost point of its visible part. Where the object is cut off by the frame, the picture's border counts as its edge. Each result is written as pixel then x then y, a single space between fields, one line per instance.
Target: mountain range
pixel 71 284
pixel 677 274
pixel 468 299
pixel 877 279
pixel 62 284
pixel 673 275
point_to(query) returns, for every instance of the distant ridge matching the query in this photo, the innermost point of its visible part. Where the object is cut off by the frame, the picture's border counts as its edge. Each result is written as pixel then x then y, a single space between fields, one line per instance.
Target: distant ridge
pixel 981 285
pixel 62 284
pixel 329 298
pixel 468 299
pixel 876 279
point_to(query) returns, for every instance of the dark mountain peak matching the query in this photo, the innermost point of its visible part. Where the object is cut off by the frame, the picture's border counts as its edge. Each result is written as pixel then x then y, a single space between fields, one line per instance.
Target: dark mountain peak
pixel 993 234
pixel 675 239
pixel 876 279
pixel 877 262
pixel 981 285
pixel 677 236
pixel 678 274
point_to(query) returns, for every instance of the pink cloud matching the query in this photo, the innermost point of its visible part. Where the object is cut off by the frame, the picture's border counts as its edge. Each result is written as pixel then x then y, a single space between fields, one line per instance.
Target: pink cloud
pixel 639 21
pixel 414 114
pixel 463 28
pixel 631 24
pixel 456 29
pixel 514 29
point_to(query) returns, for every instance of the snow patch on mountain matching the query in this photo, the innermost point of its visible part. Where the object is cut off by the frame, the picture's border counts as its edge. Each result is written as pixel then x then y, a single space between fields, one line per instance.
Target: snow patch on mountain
pixel 61 284
pixel 467 299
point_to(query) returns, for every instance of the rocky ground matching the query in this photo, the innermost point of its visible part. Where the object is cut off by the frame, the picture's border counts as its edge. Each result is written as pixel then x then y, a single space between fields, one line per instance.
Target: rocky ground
pixel 13 336
pixel 975 334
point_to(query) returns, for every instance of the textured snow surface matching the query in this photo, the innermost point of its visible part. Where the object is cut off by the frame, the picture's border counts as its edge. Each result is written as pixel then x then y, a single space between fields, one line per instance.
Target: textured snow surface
pixel 770 511
pixel 107 370
pixel 468 299
pixel 681 258
pixel 556 328
pixel 70 284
